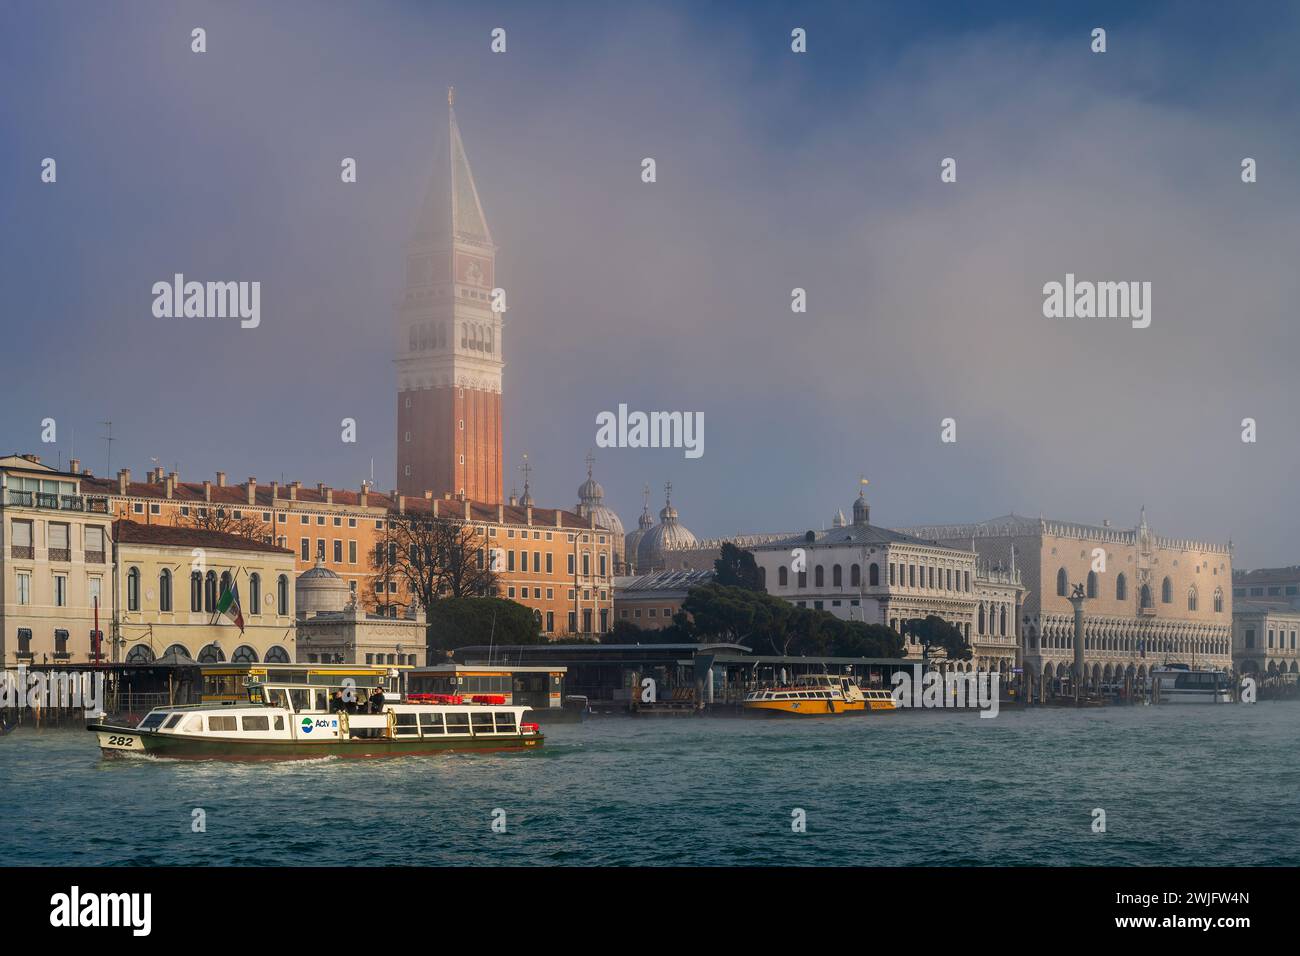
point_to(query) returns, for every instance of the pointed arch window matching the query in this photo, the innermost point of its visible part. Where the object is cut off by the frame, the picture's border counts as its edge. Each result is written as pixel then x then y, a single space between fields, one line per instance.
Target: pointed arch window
pixel 196 592
pixel 1061 582
pixel 1121 587
pixel 210 592
pixel 255 593
pixel 1218 600
pixel 1166 591
pixel 783 576
pixel 282 595
pixel 1092 584
pixel 1191 599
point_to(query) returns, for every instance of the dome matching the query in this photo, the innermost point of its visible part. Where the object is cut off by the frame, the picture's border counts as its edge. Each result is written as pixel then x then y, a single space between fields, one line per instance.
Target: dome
pixel 668 535
pixel 632 540
pixel 320 589
pixel 861 510
pixel 839 521
pixel 591 504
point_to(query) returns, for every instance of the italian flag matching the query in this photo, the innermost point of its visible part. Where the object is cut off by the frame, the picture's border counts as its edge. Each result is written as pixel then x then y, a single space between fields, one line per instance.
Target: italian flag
pixel 229 606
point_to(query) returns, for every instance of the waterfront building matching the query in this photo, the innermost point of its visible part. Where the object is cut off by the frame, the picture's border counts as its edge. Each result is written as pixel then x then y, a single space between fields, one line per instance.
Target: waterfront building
pixel 650 600
pixel 1264 639
pixel 168 582
pixel 332 627
pixel 863 572
pixel 449 342
pixel 1158 600
pixel 1272 585
pixel 563 573
pixel 54 564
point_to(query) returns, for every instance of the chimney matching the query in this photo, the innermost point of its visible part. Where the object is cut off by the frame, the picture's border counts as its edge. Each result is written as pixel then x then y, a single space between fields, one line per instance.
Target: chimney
pixel 169 485
pixel 320 488
pixel 207 490
pixel 435 507
pixel 528 513
pixel 74 465
pixel 514 501
pixel 175 478
pixel 365 494
pixel 329 496
pixel 468 514
pixel 401 504
pixel 123 479
pixel 252 490
pixel 428 495
pixel 501 513
pixel 221 479
pixel 275 490
pixel 559 521
pixel 293 490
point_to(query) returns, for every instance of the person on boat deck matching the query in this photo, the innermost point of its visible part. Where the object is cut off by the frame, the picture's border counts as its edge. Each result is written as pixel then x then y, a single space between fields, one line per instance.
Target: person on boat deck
pixel 337 703
pixel 375 705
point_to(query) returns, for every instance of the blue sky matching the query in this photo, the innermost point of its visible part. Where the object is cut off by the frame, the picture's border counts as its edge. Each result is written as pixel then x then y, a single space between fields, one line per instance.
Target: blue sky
pixel 775 171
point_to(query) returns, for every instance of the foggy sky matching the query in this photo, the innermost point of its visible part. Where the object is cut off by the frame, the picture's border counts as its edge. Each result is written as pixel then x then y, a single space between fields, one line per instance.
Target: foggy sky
pixel 774 171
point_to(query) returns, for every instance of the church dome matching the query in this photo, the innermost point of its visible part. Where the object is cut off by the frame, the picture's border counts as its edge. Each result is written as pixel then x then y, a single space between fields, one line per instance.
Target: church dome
pixel 861 510
pixel 591 504
pixel 632 541
pixel 668 535
pixel 320 589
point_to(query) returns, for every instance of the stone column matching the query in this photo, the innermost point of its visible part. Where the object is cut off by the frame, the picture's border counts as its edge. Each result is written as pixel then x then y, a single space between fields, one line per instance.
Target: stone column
pixel 1077 600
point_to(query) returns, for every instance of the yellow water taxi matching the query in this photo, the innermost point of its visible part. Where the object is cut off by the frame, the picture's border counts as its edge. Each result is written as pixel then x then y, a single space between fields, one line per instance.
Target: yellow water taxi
pixel 818 695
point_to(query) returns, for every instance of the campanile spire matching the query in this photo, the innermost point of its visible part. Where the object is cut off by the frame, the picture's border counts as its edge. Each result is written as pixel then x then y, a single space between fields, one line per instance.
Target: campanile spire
pixel 449 348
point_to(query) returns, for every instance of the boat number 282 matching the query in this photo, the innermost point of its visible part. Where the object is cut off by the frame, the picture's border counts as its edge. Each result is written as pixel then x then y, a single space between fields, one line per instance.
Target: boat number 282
pixel 116 741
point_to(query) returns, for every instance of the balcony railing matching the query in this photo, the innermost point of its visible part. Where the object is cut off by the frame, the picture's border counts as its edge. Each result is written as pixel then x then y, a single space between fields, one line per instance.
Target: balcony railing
pixel 55 502
pixel 47 501
pixel 24 553
pixel 99 505
pixel 94 557
pixel 72 503
pixel 20 498
pixel 60 554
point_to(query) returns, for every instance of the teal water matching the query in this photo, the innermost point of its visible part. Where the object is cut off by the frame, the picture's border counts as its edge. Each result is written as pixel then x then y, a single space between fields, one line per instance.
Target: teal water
pixel 1180 786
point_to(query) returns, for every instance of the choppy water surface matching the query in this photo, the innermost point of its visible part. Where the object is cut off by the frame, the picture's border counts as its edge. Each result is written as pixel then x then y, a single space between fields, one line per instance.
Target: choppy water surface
pixel 1180 786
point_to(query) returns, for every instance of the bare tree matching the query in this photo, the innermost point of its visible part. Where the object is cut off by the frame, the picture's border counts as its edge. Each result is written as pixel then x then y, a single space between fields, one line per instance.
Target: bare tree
pixel 212 518
pixel 431 558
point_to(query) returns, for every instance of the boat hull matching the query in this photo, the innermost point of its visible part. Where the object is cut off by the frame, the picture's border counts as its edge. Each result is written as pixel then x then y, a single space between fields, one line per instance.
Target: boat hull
pixel 127 741
pixel 799 708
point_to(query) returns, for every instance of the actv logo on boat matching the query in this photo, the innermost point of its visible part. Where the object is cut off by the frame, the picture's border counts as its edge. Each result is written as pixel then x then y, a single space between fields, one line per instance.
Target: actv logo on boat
pixel 958 690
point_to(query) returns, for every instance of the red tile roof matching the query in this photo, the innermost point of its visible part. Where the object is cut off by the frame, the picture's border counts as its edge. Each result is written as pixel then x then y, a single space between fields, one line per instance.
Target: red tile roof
pixel 132 532
pixel 377 503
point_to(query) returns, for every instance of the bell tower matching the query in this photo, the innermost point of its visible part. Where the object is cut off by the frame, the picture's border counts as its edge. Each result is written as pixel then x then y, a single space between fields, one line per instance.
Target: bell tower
pixel 449 358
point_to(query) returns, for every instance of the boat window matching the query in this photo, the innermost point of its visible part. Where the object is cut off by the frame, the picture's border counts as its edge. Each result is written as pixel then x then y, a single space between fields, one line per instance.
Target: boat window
pixel 279 721
pixel 301 699
pixel 221 723
pixel 458 722
pixel 322 700
pixel 405 725
pixel 173 721
pixel 259 722
pixel 194 725
pixel 431 723
pixel 506 723
pixel 482 722
pixel 276 697
pixel 152 720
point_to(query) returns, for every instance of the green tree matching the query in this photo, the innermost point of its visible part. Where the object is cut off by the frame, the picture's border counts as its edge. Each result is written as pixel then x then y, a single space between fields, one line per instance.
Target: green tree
pixel 934 633
pixel 460 622
pixel 735 567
